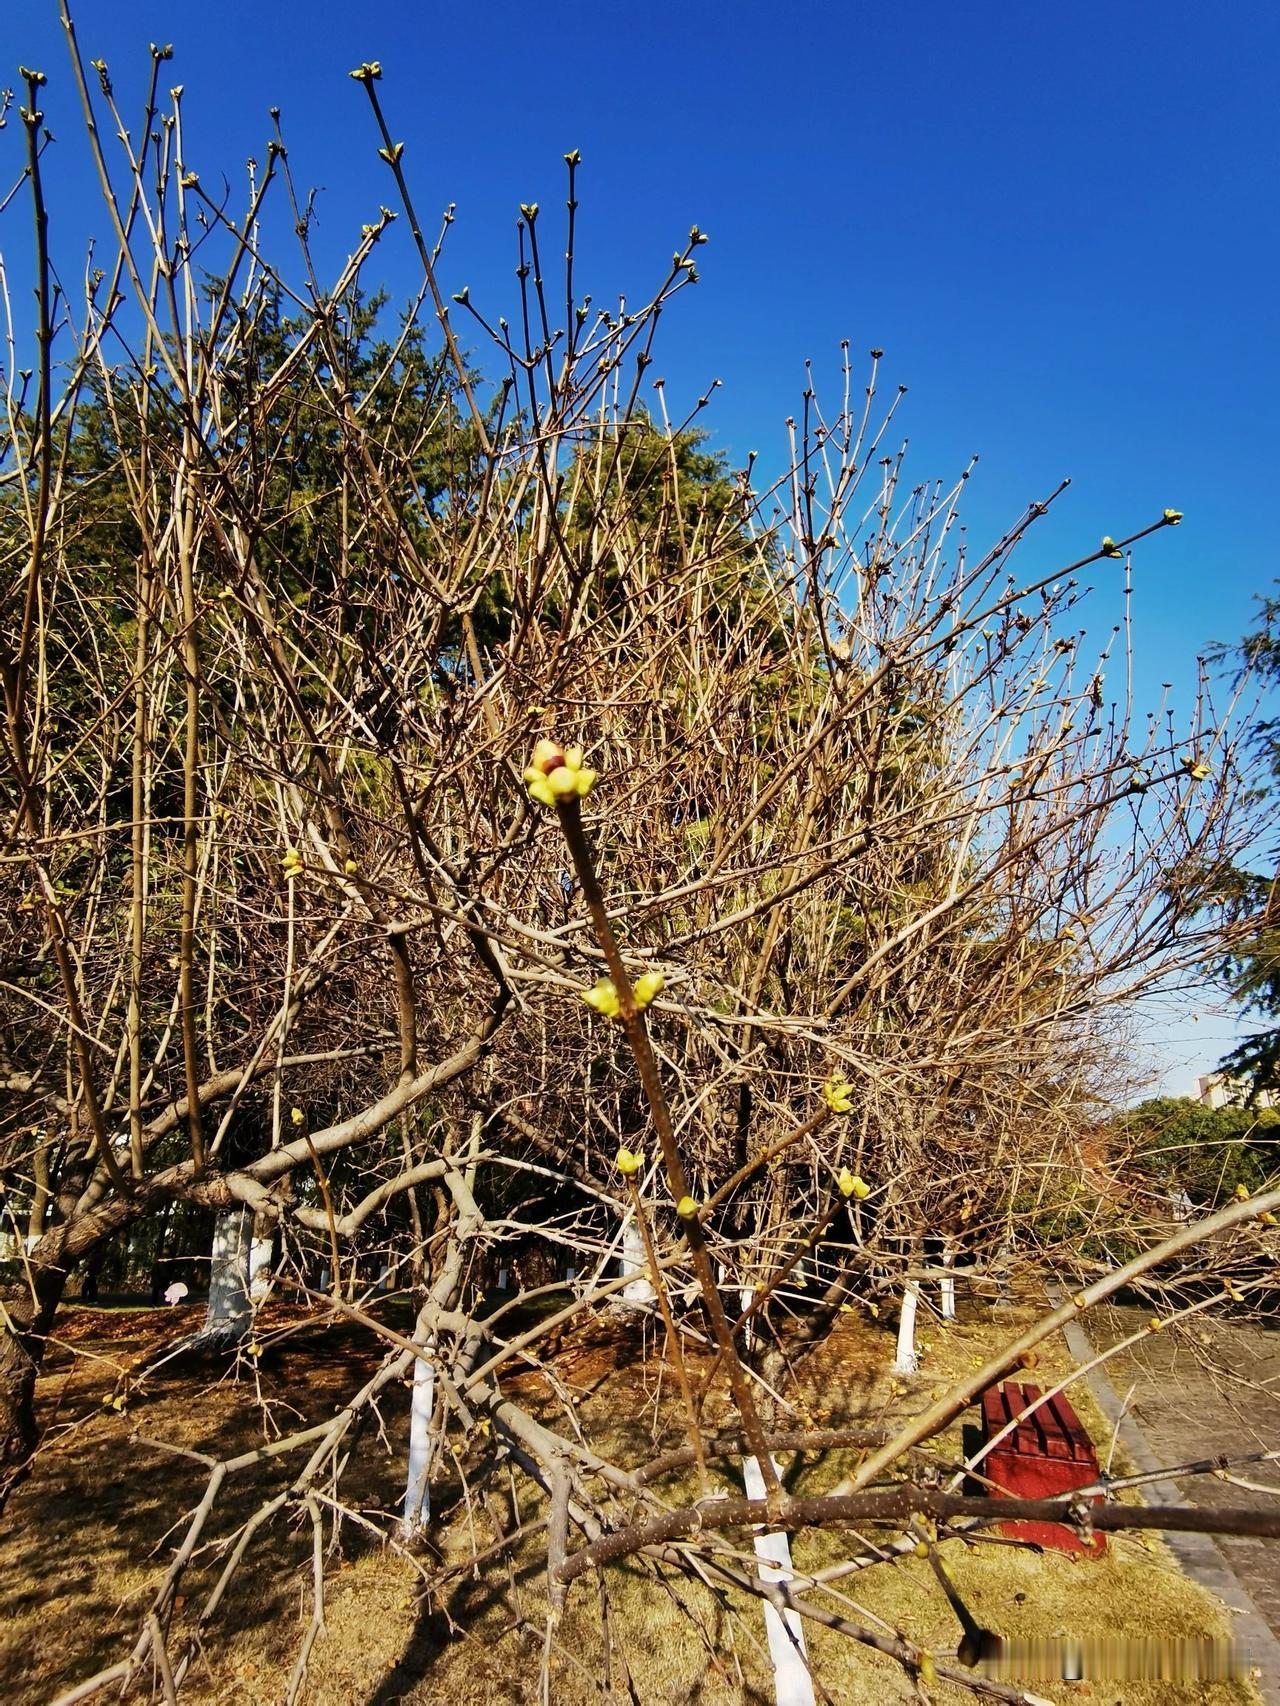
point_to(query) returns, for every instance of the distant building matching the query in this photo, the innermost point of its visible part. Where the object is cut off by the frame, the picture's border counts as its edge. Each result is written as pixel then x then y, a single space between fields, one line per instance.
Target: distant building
pixel 1216 1090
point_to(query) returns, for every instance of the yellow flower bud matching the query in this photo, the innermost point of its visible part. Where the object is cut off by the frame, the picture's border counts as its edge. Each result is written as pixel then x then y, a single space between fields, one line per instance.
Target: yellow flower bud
pixel 928 1671
pixel 838 1095
pixel 1242 1193
pixel 297 1116
pixel 648 985
pixel 548 755
pixel 350 867
pixel 628 1162
pixel 1156 1323
pixel 556 774
pixel 603 998
pixel 1172 517
pixel 921 1550
pixel 687 1209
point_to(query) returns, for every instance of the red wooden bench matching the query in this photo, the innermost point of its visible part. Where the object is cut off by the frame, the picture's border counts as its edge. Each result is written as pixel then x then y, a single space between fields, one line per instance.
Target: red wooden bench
pixel 1047 1454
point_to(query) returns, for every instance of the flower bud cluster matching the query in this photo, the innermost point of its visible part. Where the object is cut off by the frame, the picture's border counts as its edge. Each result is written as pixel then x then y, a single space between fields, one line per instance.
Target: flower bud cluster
pixel 557 774
pixel 603 996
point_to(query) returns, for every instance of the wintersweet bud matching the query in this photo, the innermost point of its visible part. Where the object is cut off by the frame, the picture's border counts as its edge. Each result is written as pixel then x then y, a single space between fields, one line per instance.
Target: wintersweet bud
pixel 838 1095
pixel 603 997
pixel 1109 548
pixel 852 1185
pixel 291 864
pixel 1197 769
pixel 1172 517
pixel 629 1162
pixel 556 774
pixel 687 1209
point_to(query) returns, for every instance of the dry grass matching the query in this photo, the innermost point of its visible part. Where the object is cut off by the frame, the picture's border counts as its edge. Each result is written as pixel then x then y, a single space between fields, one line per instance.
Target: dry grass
pixel 89 1538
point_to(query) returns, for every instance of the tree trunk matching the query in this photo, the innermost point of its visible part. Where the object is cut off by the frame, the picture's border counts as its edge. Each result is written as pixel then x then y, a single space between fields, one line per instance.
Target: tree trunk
pixel 24 1331
pixel 230 1311
pixel 947 1287
pixel 417 1492
pixel 792 1684
pixel 261 1251
pixel 907 1360
pixel 635 1263
pixel 39 1199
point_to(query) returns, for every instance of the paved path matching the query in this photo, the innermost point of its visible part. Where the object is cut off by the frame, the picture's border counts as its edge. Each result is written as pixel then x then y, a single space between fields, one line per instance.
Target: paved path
pixel 1210 1390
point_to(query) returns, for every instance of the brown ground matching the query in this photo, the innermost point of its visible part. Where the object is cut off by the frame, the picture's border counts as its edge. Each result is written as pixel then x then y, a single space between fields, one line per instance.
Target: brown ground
pixel 87 1540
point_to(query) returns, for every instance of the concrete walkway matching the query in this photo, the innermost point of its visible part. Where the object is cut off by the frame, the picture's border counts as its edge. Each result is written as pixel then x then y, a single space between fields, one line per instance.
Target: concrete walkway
pixel 1186 1413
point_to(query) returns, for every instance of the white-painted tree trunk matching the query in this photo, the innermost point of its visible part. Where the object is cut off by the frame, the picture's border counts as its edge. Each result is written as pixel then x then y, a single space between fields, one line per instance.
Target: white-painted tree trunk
pixel 1003 1300
pixel 230 1310
pixel 947 1287
pixel 792 1684
pixel 639 1288
pixel 260 1262
pixel 417 1491
pixel 906 1361
pixel 744 1303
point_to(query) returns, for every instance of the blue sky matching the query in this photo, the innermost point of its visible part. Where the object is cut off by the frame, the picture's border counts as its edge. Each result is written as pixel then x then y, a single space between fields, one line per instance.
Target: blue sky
pixel 1060 223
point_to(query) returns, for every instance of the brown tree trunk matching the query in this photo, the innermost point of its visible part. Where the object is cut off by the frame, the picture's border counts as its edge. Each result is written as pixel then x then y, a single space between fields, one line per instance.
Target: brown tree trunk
pixel 26 1315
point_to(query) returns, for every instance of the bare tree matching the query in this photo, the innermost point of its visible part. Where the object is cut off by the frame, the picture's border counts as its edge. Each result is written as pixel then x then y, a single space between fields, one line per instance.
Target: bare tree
pixel 800 954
